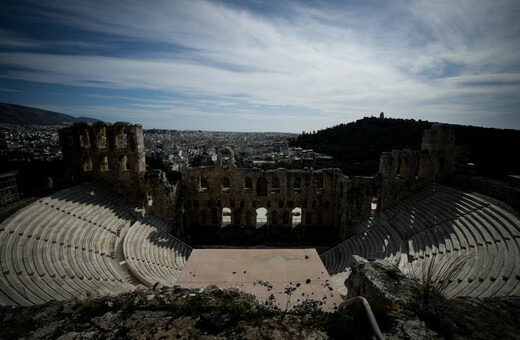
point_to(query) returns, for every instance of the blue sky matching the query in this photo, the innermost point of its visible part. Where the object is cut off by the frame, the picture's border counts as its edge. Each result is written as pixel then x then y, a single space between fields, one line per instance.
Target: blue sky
pixel 287 66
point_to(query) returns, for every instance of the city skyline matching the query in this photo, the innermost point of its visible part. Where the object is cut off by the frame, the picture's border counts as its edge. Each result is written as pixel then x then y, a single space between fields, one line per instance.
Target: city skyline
pixel 264 66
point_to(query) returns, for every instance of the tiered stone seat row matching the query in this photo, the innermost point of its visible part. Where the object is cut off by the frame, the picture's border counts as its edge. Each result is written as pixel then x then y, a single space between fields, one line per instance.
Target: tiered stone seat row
pixel 157 222
pixel 377 240
pixel 153 255
pixel 52 250
pixel 93 203
pixel 453 226
pixel 447 226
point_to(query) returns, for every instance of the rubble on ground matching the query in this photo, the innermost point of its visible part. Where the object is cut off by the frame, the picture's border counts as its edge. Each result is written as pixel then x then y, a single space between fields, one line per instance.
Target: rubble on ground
pixel 215 313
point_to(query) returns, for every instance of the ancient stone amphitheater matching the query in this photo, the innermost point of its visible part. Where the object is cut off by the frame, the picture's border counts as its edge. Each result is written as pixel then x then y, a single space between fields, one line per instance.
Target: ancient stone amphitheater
pixel 89 240
pixel 445 225
pixel 84 241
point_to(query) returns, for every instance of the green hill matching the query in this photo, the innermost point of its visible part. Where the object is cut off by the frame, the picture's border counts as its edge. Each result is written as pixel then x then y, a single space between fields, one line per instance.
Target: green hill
pixel 357 146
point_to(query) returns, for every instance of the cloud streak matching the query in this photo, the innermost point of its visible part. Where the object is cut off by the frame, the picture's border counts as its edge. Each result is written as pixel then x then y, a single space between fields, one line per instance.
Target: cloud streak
pixel 429 60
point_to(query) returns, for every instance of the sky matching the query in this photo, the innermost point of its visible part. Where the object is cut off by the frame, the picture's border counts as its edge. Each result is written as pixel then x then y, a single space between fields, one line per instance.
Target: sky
pixel 253 65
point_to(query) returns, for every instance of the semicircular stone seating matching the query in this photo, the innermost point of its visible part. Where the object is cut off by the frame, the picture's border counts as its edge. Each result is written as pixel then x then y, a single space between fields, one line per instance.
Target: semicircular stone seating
pixel 69 245
pixel 433 232
pixel 152 254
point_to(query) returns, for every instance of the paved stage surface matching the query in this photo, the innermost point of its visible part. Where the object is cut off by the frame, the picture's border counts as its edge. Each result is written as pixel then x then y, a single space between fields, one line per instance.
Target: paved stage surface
pixel 266 273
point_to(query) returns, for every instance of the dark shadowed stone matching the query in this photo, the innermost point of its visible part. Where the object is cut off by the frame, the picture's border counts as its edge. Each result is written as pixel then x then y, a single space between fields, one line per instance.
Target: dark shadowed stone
pixel 380 282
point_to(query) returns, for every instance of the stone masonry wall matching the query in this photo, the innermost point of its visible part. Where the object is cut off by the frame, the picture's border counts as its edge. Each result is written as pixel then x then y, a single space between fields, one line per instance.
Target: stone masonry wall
pixel 226 196
pixel 114 155
pixel 404 171
pixel 223 196
pixel 280 191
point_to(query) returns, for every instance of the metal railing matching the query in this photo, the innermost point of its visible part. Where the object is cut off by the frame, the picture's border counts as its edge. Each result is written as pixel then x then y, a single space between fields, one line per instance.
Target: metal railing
pixel 368 312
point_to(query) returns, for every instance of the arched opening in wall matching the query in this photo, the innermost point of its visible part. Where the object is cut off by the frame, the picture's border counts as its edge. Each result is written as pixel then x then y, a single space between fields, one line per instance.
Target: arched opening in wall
pixel 123 163
pixel 101 138
pixel 248 184
pixel 261 186
pixel 226 217
pixel 274 217
pixel 398 169
pixel 373 205
pixel 84 139
pixel 87 163
pixel 104 165
pixel 261 217
pixel 297 186
pixel 203 184
pixel 225 159
pixel 121 138
pixel 404 167
pixel 226 184
pixel 296 214
pixel 275 185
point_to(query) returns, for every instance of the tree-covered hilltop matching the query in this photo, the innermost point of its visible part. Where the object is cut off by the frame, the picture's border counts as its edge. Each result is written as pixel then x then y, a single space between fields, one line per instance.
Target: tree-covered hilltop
pixel 357 146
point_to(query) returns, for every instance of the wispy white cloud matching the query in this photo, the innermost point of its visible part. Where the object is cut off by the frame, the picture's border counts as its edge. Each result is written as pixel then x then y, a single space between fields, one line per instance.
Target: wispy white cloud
pixel 9 90
pixel 421 59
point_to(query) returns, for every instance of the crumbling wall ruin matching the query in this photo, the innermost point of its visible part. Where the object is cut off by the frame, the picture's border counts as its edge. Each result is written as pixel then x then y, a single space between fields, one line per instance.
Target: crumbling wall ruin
pixel 404 171
pixel 316 201
pixel 114 155
pixel 280 191
pixel 222 197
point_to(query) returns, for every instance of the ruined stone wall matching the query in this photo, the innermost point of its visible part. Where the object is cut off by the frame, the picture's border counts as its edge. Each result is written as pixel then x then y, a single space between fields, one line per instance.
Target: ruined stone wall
pixel 314 200
pixel 405 171
pixel 114 155
pixel 280 191
pixel 162 200
pixel 223 197
pixel 109 153
pixel 104 147
pixel 356 202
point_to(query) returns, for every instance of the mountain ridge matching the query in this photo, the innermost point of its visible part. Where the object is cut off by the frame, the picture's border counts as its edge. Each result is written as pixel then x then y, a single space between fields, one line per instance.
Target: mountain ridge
pixel 25 115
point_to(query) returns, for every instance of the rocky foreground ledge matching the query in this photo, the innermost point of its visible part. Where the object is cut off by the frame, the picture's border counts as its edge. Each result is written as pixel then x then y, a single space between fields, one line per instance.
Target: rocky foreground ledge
pixel 409 309
pixel 213 313
pixel 173 313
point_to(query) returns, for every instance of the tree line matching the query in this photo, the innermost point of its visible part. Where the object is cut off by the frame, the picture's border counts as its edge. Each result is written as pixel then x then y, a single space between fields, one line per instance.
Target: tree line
pixel 357 146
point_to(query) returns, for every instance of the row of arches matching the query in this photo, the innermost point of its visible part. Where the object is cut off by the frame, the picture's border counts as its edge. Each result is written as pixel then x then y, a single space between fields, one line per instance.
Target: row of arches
pixel 259 217
pixel 120 141
pixel 262 184
pixel 104 163
pixel 409 164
